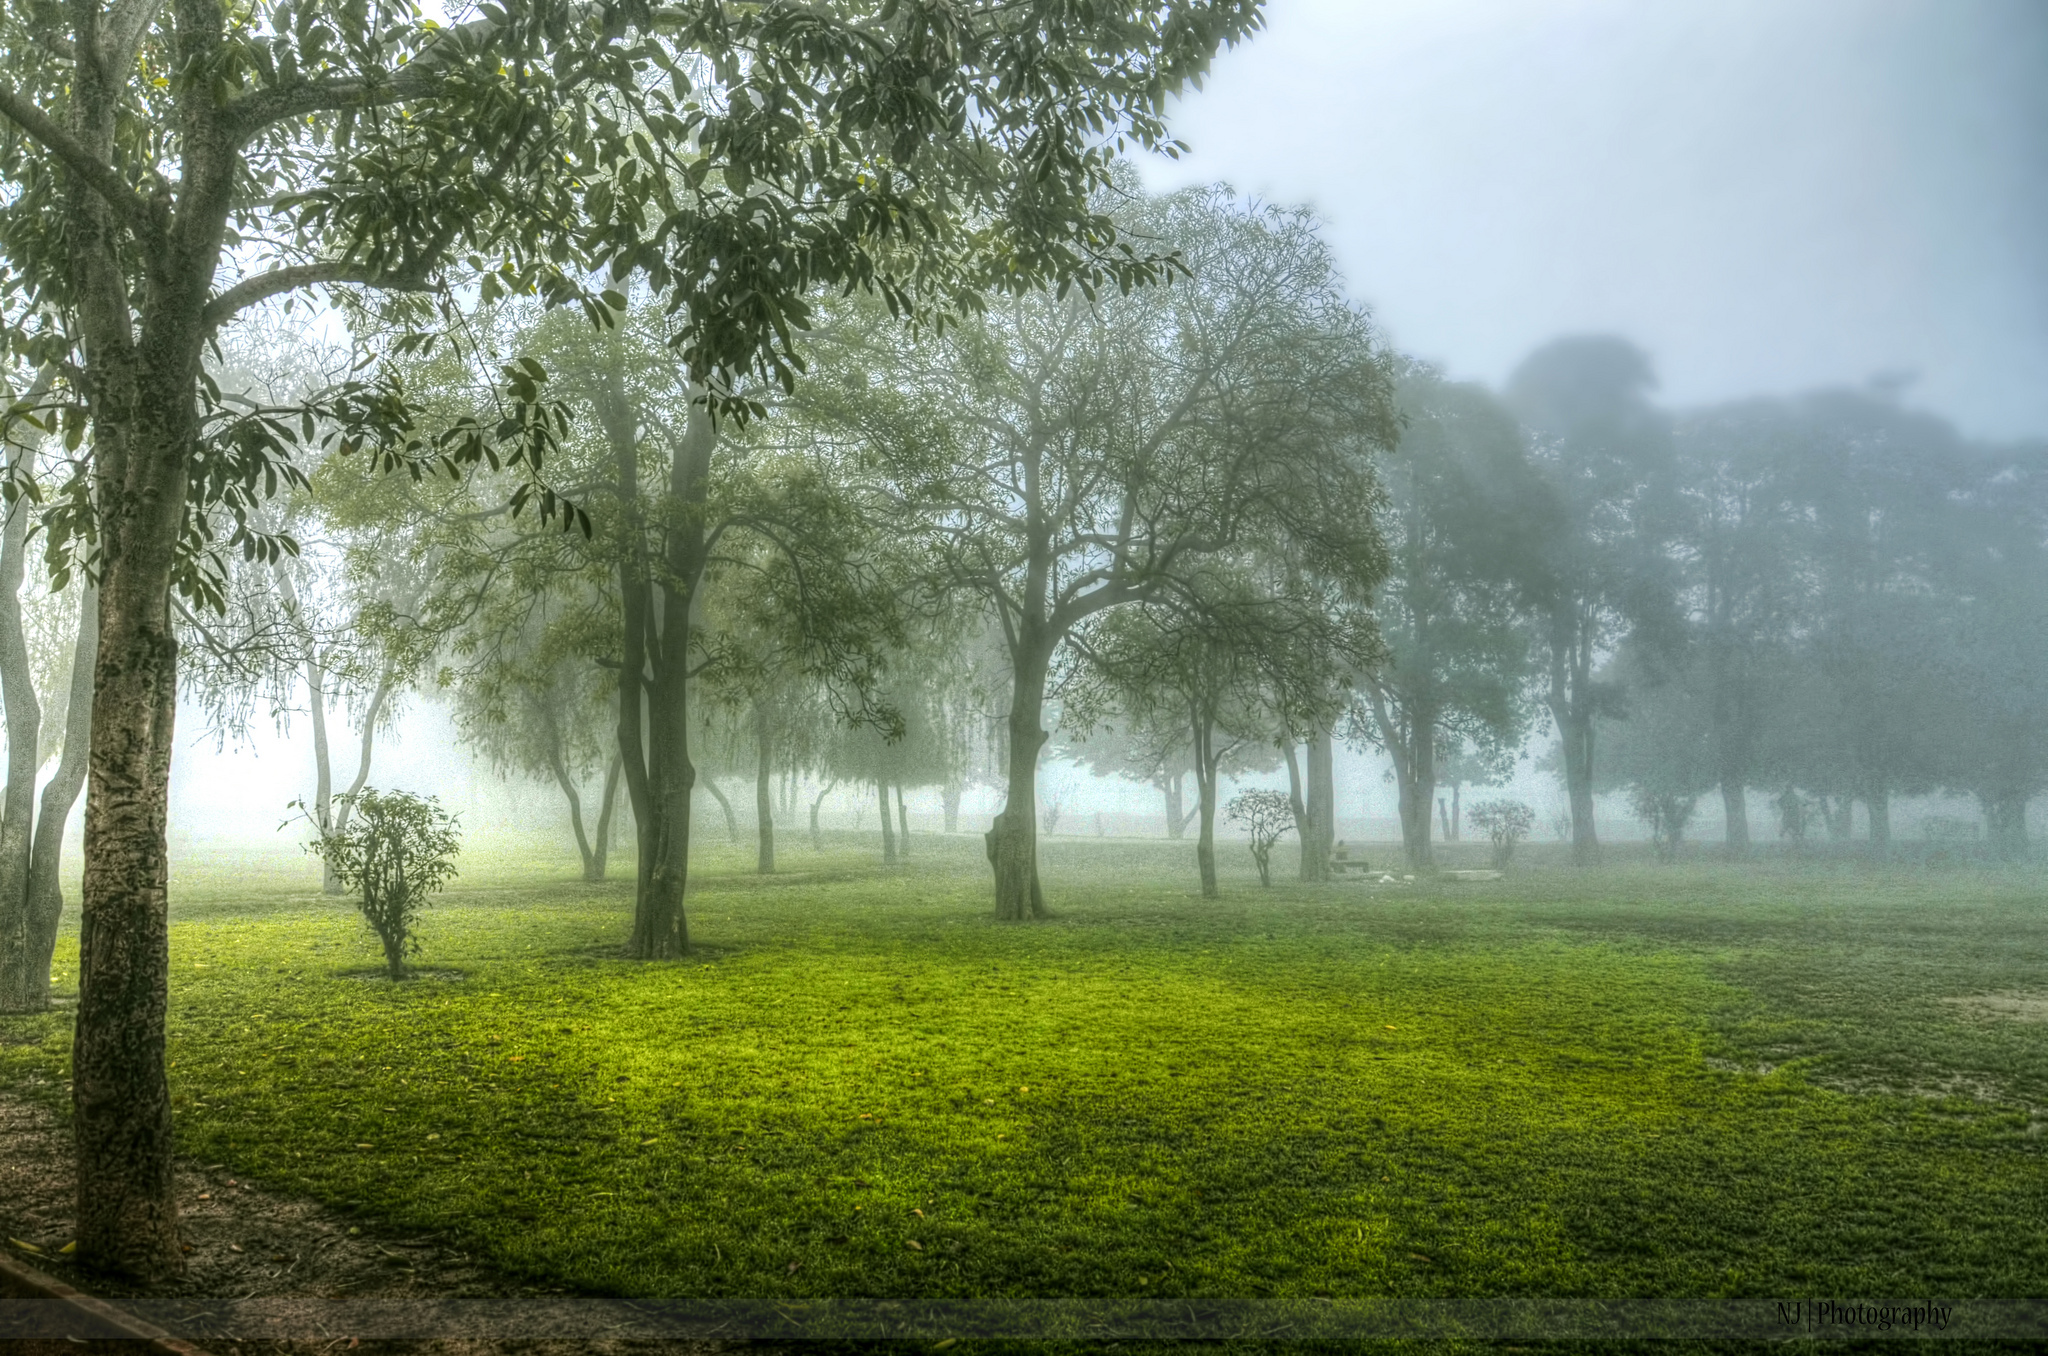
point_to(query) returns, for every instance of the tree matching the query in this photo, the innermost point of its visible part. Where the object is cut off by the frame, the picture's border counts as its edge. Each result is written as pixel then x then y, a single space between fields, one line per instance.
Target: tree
pixel 168 167
pixel 552 722
pixel 1505 823
pixel 1661 742
pixel 1600 569
pixel 1990 717
pixel 1872 484
pixel 1742 587
pixel 1153 751
pixel 1235 653
pixel 1265 815
pixel 1457 529
pixel 396 855
pixel 1069 456
pixel 32 833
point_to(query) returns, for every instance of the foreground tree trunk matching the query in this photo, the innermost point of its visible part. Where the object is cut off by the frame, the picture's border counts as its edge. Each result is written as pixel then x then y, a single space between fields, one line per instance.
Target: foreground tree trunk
pixel 654 673
pixel 1013 839
pixel 127 1214
pixel 764 792
pixel 902 824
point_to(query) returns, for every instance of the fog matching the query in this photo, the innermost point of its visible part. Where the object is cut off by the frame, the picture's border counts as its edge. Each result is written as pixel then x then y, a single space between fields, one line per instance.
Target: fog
pixel 1766 196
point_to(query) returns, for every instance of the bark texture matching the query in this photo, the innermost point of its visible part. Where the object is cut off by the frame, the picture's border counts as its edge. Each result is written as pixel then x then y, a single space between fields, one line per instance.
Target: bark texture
pixel 1013 839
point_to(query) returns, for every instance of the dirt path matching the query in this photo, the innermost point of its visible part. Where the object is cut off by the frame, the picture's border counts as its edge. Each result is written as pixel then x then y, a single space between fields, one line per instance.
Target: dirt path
pixel 243 1243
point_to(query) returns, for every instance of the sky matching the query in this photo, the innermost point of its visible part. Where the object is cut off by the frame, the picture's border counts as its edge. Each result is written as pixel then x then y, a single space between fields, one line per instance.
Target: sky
pixel 1767 195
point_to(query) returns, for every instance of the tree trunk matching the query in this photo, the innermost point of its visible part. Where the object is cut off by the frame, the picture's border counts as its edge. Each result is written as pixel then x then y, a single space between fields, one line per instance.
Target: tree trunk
pixel 888 830
pixel 601 849
pixel 593 867
pixel 654 675
pixel 1838 812
pixel 1878 801
pixel 1735 806
pixel 2005 822
pixel 1297 804
pixel 817 834
pixel 27 988
pixel 1206 764
pixel 1013 838
pixel 127 1210
pixel 949 805
pixel 902 825
pixel 1457 813
pixel 1410 741
pixel 1322 806
pixel 732 821
pixel 1575 732
pixel 1176 817
pixel 1570 702
pixel 764 786
pixel 24 758
pixel 323 768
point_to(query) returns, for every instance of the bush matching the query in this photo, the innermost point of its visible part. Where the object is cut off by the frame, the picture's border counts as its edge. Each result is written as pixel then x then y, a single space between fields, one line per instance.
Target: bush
pixel 1505 823
pixel 1666 814
pixel 395 851
pixel 1265 815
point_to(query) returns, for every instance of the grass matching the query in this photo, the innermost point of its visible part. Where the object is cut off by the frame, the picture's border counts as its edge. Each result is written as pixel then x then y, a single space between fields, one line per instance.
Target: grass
pixel 1683 1082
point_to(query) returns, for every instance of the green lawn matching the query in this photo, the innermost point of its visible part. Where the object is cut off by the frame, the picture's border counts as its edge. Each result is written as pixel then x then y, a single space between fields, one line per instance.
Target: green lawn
pixel 1675 1082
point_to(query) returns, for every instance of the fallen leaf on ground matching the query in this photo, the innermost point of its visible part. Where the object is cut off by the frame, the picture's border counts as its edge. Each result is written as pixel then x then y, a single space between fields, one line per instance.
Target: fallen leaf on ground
pixel 234 1247
pixel 206 1195
pixel 914 1245
pixel 70 1247
pixel 918 1213
pixel 794 1267
pixel 25 1247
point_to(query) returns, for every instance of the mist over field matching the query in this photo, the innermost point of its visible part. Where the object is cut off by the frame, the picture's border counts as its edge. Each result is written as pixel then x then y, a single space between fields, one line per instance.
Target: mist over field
pixel 999 671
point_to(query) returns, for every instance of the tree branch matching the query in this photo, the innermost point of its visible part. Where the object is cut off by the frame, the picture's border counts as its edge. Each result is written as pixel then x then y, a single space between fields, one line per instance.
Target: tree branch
pixel 96 173
pixel 291 277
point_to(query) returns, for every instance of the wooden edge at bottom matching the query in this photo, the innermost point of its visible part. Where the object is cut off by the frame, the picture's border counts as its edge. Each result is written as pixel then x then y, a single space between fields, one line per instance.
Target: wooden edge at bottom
pixel 107 1323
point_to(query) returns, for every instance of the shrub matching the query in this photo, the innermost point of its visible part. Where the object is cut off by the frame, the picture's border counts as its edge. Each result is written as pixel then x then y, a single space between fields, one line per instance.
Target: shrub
pixel 1667 815
pixel 1265 815
pixel 395 851
pixel 1505 823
